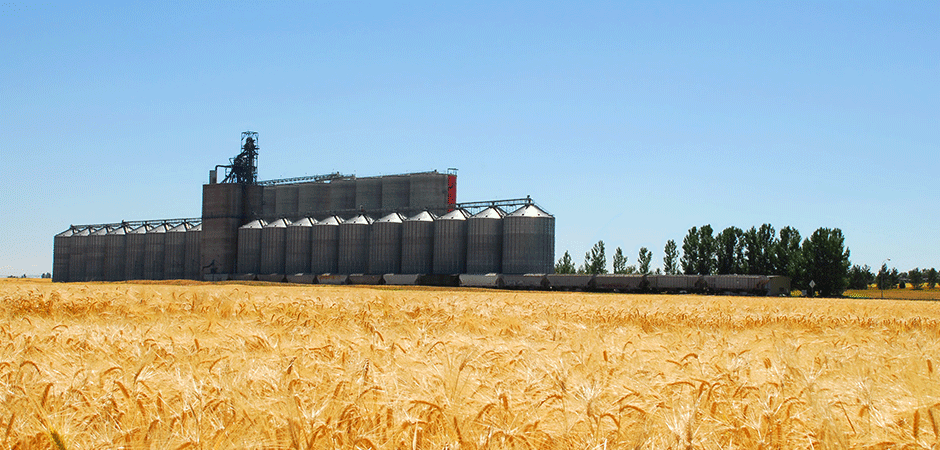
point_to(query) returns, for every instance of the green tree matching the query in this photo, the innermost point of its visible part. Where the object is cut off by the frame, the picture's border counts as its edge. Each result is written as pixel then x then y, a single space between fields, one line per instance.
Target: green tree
pixel 595 261
pixel 931 277
pixel 690 251
pixel 884 277
pixel 786 257
pixel 729 254
pixel 670 258
pixel 619 261
pixel 826 261
pixel 759 250
pixel 916 277
pixel 860 277
pixel 698 251
pixel 564 264
pixel 644 259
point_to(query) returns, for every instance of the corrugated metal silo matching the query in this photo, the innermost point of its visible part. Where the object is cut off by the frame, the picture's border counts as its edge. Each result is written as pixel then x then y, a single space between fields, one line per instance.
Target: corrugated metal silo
pixel 155 253
pixel 94 254
pixel 174 263
pixel 115 260
pixel 77 245
pixel 450 243
pixel 485 241
pixel 385 245
pixel 324 246
pixel 136 249
pixel 297 247
pixel 343 195
pixel 313 199
pixel 60 256
pixel 528 241
pixel 193 265
pixel 269 201
pixel 273 246
pixel 354 245
pixel 249 246
pixel 417 244
pixel 396 192
pixel 369 193
pixel 287 201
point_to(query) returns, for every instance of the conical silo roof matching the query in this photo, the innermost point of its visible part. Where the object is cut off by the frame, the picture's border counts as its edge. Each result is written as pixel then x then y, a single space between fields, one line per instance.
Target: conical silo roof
pixel 361 219
pixel 332 220
pixel 181 228
pixel 391 218
pixel 457 214
pixel 305 222
pixel 424 216
pixel 489 213
pixel 259 223
pixel 530 210
pixel 279 223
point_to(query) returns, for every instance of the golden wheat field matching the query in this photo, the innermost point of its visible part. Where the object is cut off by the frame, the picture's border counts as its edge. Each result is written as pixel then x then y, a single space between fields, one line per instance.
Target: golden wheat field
pixel 217 366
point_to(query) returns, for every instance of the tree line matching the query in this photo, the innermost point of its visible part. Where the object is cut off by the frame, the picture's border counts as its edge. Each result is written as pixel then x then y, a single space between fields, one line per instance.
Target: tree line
pixel 819 263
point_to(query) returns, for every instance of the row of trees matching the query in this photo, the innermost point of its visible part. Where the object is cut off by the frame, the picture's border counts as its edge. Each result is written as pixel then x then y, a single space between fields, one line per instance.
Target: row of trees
pixel 821 259
pixel 862 277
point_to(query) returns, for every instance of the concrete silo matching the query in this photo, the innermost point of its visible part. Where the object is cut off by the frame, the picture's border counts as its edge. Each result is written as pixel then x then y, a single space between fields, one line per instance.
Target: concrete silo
pixel 287 201
pixel 354 245
pixel 369 193
pixel 485 241
pixel 313 198
pixel 396 192
pixel 385 245
pixel 417 244
pixel 528 241
pixel 343 195
pixel 249 247
pixel 450 243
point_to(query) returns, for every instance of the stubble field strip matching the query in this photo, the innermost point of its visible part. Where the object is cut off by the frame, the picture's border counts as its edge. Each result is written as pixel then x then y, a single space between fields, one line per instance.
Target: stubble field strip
pixel 264 367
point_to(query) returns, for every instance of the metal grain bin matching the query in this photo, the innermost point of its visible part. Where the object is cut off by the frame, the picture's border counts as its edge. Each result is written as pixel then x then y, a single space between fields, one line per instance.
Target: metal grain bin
pixel 450 243
pixel 324 246
pixel 417 244
pixel 249 247
pixel 136 249
pixel 77 245
pixel 286 201
pixel 396 192
pixel 343 195
pixel 269 202
pixel 297 246
pixel 354 245
pixel 274 246
pixel 385 245
pixel 369 193
pixel 193 265
pixel 95 254
pixel 313 200
pixel 60 256
pixel 174 262
pixel 485 241
pixel 155 253
pixel 528 241
pixel 115 259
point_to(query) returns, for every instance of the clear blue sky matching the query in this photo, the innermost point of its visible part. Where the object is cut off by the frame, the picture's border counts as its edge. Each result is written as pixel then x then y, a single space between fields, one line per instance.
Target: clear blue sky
pixel 631 122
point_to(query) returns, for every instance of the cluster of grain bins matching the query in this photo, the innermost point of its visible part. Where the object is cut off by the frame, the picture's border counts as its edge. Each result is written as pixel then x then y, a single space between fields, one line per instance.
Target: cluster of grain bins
pixel 361 249
pixel 118 252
